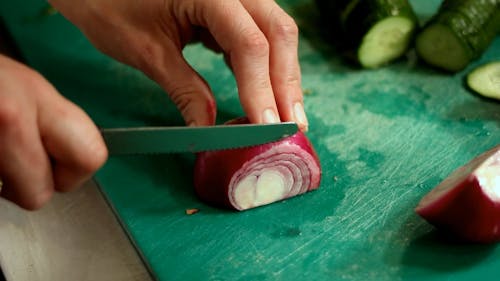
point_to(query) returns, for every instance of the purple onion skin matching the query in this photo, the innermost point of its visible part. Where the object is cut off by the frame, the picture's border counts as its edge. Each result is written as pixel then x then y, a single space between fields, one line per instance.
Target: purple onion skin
pixel 214 169
pixel 464 211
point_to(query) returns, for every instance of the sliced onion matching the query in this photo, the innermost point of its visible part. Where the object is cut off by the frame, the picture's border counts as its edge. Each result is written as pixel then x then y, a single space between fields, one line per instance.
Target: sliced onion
pixel 249 177
pixel 466 205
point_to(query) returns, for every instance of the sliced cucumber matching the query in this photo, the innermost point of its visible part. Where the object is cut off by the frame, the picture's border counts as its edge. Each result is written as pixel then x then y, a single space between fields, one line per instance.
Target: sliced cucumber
pixel 387 40
pixel 485 80
pixel 377 31
pixel 439 46
pixel 459 33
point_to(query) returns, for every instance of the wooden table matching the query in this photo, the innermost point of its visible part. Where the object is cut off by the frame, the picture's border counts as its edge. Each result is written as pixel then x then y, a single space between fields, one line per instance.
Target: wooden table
pixel 76 236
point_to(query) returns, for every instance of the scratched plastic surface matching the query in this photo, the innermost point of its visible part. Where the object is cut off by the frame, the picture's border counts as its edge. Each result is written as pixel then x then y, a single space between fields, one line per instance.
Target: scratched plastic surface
pixel 385 138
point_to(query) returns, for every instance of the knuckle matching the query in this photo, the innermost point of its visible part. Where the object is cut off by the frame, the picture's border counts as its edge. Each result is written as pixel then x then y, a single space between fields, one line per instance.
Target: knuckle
pixel 293 80
pixel 10 113
pixel 261 84
pixel 34 78
pixel 183 97
pixel 286 29
pixel 254 43
pixel 194 103
pixel 148 53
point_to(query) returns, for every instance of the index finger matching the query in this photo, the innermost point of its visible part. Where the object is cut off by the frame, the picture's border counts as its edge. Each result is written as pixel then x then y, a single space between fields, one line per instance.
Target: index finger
pixel 248 50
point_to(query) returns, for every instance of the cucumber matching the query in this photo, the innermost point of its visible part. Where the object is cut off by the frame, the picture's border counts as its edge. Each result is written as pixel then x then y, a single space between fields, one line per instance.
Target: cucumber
pixel 459 33
pixel 376 31
pixel 485 80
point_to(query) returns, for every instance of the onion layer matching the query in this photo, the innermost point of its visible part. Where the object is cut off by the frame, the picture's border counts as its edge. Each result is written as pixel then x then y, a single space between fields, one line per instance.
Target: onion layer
pixel 249 177
pixel 466 204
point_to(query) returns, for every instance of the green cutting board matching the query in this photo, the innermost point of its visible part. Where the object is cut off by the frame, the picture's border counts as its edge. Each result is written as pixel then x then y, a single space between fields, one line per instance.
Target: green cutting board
pixel 385 138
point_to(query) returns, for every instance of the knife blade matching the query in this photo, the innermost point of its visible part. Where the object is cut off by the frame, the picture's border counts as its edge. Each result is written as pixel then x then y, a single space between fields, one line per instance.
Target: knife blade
pixel 153 140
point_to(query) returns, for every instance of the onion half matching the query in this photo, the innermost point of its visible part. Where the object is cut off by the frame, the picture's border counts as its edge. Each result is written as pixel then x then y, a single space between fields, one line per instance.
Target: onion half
pixel 249 177
pixel 466 205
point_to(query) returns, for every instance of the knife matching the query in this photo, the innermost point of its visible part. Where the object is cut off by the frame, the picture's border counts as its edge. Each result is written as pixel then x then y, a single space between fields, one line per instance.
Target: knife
pixel 152 140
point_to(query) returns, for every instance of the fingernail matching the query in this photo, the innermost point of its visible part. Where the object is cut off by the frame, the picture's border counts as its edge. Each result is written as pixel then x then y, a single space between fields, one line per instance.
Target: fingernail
pixel 270 117
pixel 300 116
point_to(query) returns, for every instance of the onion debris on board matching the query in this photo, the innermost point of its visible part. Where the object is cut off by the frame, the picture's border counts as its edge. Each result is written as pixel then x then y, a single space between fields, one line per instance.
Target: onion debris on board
pixel 466 205
pixel 245 178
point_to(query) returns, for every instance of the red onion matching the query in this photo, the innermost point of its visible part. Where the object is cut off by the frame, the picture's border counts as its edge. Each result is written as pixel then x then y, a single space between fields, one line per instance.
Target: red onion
pixel 249 177
pixel 467 203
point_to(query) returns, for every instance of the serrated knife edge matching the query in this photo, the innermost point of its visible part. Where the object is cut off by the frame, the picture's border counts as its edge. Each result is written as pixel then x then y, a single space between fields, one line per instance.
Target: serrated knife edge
pixel 155 140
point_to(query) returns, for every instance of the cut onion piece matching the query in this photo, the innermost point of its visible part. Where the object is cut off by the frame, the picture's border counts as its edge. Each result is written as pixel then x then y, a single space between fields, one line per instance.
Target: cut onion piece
pixel 249 177
pixel 466 204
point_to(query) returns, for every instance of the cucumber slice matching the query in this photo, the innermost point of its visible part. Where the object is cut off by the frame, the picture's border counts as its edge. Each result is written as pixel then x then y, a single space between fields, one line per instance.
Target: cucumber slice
pixel 459 33
pixel 376 31
pixel 439 46
pixel 485 80
pixel 387 40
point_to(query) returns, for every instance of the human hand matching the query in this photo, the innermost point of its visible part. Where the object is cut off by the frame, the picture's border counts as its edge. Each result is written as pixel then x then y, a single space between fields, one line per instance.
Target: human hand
pixel 258 39
pixel 46 142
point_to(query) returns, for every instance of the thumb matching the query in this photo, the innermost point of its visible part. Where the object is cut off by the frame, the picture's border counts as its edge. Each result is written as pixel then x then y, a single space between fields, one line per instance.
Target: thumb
pixel 187 89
